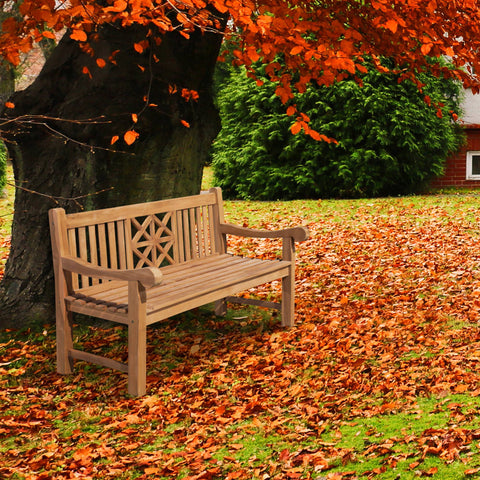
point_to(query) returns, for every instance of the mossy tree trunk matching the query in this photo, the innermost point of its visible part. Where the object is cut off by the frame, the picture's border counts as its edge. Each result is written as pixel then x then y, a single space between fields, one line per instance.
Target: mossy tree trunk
pixel 60 160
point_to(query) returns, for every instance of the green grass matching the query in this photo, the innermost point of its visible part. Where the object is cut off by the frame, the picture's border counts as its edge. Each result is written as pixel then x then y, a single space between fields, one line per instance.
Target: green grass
pixel 6 217
pixel 207 179
pixel 442 204
pixel 396 436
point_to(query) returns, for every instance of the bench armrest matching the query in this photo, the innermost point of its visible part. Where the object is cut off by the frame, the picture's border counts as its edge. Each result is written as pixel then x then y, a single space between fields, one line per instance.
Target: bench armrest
pixel 147 276
pixel 298 234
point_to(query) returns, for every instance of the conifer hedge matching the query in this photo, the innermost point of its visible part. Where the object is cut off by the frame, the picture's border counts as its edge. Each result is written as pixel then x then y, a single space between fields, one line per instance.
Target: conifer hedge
pixel 390 140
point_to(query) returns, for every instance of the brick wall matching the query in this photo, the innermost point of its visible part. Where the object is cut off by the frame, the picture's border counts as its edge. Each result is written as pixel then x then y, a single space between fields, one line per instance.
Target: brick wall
pixel 456 166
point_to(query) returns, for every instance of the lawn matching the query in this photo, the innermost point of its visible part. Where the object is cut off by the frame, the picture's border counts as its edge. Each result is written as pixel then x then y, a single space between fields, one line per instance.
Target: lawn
pixel 6 216
pixel 379 379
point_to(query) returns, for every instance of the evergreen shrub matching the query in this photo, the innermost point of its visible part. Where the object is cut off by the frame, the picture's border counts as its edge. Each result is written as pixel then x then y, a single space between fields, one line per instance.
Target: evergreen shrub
pixel 390 141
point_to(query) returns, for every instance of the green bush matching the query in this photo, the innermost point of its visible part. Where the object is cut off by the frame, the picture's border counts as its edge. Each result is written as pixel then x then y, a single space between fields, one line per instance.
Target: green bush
pixel 390 141
pixel 3 167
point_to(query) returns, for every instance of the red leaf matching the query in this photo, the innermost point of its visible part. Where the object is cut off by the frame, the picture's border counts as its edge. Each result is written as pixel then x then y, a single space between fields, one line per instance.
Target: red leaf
pixel 284 455
pixel 118 6
pixel 471 471
pixel 79 36
pixel 48 34
pixel 130 136
pixel 296 50
pixel 283 93
pixel 392 25
pixel 296 127
pixel 83 455
pixel 86 71
pixel 152 470
pixel 425 48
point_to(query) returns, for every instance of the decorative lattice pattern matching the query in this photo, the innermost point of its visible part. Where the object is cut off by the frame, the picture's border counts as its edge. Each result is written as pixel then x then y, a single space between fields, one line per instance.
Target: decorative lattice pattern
pixel 152 240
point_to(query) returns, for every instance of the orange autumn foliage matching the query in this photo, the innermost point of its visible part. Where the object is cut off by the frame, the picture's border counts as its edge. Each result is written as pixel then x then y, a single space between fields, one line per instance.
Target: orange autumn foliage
pixel 322 41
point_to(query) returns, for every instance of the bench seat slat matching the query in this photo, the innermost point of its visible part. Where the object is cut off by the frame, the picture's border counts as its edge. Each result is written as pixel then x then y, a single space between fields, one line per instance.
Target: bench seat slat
pixel 187 285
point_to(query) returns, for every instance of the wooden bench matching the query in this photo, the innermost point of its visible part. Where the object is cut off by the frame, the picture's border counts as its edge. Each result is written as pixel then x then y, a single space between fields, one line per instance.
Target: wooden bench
pixel 140 264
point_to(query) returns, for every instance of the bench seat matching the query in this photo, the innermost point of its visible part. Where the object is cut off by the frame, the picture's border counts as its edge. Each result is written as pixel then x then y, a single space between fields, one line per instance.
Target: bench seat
pixel 183 287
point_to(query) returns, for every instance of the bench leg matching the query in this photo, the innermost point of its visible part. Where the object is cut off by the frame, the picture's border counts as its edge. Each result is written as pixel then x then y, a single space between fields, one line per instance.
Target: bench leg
pixel 288 301
pixel 288 284
pixel 64 339
pixel 220 307
pixel 137 359
pixel 137 340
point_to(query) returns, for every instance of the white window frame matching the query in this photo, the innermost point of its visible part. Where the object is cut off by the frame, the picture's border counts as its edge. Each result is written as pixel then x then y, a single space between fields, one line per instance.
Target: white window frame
pixel 470 175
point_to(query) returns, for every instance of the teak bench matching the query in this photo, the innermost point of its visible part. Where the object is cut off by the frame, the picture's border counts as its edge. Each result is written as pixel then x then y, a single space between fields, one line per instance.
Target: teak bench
pixel 140 264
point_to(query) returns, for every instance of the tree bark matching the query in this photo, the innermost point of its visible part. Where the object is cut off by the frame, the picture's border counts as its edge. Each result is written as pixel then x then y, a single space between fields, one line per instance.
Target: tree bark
pixel 61 160
pixel 7 82
pixel 7 72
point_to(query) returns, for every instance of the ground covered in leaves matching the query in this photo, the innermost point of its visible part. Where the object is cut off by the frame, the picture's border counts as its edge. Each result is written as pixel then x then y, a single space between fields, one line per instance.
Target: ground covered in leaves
pixel 379 379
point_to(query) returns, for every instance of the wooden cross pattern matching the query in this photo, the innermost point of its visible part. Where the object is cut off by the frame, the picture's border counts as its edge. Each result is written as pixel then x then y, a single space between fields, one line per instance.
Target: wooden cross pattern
pixel 152 244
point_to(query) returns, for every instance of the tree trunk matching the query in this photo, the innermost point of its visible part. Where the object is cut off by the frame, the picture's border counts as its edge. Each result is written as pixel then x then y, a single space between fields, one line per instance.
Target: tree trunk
pixel 61 160
pixel 7 82
pixel 7 72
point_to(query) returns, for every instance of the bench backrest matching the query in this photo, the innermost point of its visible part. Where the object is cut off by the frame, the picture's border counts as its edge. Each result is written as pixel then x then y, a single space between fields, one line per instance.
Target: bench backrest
pixel 133 236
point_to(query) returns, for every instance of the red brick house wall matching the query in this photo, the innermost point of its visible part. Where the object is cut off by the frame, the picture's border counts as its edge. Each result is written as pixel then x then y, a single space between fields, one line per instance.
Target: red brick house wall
pixel 456 165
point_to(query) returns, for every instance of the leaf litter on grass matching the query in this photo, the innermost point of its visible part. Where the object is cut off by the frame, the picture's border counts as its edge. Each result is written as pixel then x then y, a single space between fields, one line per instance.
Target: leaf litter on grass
pixel 388 301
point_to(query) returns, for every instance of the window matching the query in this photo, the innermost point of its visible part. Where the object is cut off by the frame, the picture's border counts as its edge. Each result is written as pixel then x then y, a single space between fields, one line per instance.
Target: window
pixel 473 165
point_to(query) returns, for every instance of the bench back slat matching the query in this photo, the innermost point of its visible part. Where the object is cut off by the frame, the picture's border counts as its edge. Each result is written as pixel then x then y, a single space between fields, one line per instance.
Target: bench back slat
pixel 72 242
pixel 102 247
pixel 128 242
pixel 83 253
pixel 193 229
pixel 93 249
pixel 150 234
pixel 121 245
pixel 112 245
